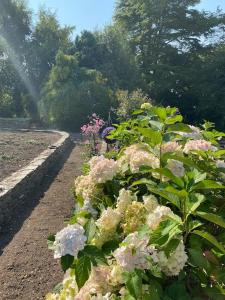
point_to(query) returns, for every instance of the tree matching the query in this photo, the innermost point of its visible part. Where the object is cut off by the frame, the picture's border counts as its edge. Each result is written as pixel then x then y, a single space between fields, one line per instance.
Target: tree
pixel 109 53
pixel 15 21
pixel 72 93
pixel 47 38
pixel 170 40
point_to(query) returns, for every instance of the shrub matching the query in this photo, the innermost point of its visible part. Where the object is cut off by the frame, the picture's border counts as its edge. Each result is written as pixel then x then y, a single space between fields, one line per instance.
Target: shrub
pixel 150 223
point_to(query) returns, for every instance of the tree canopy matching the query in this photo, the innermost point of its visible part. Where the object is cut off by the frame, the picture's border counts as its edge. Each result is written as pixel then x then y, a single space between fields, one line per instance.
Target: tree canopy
pixel 170 50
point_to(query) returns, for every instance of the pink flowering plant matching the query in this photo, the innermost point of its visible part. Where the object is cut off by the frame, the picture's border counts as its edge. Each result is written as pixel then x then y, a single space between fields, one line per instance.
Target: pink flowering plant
pixel 150 221
pixel 91 131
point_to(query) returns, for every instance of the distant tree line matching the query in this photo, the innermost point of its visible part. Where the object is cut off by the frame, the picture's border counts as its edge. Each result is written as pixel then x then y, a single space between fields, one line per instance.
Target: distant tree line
pixel 164 50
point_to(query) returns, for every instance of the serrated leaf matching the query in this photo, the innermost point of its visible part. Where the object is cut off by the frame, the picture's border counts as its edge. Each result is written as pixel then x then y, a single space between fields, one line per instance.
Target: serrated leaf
pixel 66 262
pixel 207 184
pixel 134 285
pixel 110 246
pixel 211 218
pixel 210 238
pixel 166 172
pixel 173 120
pixel 82 270
pixel 180 127
pixel 90 229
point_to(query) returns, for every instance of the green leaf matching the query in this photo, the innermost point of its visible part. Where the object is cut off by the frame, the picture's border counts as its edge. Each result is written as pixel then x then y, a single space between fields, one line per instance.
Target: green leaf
pixel 155 290
pixel 154 136
pixel 180 127
pixel 210 238
pixel 166 172
pixel 143 181
pixel 66 262
pixel 198 259
pixel 90 229
pixel 134 285
pixel 160 112
pixel 82 270
pixel 193 202
pixel 173 120
pixel 177 290
pixel 171 247
pixel 211 218
pixel 174 199
pixel 193 224
pixel 157 124
pixel 95 255
pixel 207 184
pixel 110 246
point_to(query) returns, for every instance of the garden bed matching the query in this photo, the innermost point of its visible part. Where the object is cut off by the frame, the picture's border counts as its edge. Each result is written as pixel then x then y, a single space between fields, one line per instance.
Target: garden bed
pixel 18 148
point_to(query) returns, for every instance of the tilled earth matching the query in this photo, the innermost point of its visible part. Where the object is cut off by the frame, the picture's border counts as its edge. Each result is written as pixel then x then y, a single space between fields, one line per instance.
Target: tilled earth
pixel 18 148
pixel 28 269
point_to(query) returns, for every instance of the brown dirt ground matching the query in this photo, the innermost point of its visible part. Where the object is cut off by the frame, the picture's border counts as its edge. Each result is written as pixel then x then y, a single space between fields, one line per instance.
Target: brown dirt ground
pixel 18 148
pixel 28 269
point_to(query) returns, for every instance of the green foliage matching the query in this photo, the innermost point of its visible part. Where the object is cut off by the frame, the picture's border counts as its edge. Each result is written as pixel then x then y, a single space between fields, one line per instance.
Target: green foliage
pixel 72 93
pixel 180 51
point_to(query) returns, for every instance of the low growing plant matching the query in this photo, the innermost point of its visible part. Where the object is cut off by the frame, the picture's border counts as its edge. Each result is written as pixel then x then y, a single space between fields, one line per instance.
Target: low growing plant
pixel 150 222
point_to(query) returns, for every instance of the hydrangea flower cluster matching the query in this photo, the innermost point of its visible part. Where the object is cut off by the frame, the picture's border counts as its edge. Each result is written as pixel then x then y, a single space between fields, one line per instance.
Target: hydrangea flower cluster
pixel 172 146
pixel 134 253
pixel 157 216
pixel 143 223
pixel 69 240
pixel 137 156
pixel 101 170
pixel 196 145
pixel 172 265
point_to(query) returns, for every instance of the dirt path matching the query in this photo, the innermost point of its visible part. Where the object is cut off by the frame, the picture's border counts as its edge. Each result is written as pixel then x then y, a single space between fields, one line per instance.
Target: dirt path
pixel 28 270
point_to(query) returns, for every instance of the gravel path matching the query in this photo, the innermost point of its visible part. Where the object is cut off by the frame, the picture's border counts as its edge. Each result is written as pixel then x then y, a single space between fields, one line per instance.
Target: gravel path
pixel 18 148
pixel 28 270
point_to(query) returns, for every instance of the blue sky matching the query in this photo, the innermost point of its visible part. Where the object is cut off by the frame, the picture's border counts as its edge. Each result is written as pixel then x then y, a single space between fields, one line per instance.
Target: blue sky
pixel 93 14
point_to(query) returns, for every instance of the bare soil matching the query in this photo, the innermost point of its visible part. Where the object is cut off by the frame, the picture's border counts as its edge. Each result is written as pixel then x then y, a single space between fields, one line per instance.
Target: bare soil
pixel 18 148
pixel 28 269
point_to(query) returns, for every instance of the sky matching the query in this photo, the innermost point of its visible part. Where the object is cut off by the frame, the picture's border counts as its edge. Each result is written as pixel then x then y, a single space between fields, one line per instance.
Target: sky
pixel 94 14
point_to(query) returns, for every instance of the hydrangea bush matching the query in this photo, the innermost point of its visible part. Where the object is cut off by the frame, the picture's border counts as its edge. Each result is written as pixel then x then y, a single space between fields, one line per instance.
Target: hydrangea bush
pixel 150 221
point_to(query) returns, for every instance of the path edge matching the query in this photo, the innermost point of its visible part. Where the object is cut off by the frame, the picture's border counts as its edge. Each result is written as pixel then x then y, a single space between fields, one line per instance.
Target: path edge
pixel 16 187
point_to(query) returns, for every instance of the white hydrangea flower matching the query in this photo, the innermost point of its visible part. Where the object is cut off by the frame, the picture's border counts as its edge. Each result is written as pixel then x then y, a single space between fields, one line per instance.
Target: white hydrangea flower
pixel 220 164
pixel 116 277
pixel 95 160
pixel 69 240
pixel 85 186
pixel 96 284
pixel 195 145
pixel 134 253
pixel 175 263
pixel 143 158
pixel 150 202
pixel 125 198
pixel 195 134
pixel 176 167
pixel 171 147
pixel 105 169
pixel 109 219
pixel 157 216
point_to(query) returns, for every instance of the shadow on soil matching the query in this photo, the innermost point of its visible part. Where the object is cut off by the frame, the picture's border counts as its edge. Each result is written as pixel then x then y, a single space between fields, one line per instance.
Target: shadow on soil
pixel 22 212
